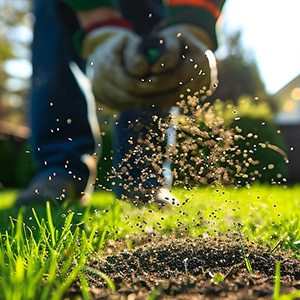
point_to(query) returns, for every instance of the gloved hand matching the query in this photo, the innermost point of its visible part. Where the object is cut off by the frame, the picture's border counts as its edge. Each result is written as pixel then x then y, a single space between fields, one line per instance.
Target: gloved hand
pixel 124 77
pixel 186 65
pixel 110 50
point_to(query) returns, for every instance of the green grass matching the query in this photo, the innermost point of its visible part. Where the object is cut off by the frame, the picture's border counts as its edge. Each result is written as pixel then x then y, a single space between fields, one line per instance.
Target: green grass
pixel 276 294
pixel 40 267
pixel 42 252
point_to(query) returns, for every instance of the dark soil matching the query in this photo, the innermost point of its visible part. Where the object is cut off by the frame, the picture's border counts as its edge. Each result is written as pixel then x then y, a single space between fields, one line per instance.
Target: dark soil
pixel 186 268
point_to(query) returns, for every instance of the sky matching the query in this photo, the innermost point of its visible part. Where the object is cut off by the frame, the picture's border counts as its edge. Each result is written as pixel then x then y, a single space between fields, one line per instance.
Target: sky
pixel 270 33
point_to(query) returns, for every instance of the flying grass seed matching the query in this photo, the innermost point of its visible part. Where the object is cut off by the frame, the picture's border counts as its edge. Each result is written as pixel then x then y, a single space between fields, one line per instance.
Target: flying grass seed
pixel 206 152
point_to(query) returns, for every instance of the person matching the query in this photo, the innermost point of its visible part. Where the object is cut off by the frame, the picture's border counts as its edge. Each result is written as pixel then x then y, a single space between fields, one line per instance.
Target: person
pixel 142 54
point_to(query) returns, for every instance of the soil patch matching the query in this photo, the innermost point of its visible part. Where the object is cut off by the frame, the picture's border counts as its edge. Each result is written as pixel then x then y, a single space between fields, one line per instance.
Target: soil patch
pixel 192 268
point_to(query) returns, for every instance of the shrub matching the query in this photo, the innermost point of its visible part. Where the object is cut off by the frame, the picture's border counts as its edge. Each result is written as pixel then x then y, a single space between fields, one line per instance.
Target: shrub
pixel 16 164
pixel 262 141
pixel 226 144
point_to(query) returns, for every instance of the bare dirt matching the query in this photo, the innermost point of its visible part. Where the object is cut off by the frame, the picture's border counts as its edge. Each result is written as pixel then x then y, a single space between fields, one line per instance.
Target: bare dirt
pixel 189 268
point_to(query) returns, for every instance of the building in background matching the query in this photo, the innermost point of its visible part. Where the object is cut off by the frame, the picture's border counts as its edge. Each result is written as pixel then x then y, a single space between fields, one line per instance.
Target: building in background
pixel 288 121
pixel 288 99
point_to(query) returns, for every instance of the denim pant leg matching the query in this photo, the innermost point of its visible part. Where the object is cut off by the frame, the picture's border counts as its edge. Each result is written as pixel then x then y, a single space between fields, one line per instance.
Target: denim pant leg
pixel 61 133
pixel 131 159
pixel 144 16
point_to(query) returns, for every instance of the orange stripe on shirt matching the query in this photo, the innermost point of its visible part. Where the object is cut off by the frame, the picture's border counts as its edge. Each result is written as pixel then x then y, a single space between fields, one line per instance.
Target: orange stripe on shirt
pixel 210 6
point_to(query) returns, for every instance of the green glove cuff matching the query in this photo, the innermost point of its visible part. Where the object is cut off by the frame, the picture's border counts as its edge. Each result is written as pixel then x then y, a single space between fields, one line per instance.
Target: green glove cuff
pixel 81 5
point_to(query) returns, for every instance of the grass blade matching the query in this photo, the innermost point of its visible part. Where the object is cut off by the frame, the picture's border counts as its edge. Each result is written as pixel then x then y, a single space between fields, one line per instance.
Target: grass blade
pixel 101 241
pixel 103 276
pixel 61 290
pixel 156 293
pixel 248 265
pixel 50 222
pixel 36 217
pixel 277 281
pixel 51 276
pixel 85 287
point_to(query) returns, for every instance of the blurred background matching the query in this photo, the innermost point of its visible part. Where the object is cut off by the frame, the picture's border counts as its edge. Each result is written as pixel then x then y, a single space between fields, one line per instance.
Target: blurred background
pixel 259 63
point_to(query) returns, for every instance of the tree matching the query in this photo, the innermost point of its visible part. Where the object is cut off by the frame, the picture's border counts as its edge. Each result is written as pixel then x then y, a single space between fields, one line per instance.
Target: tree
pixel 238 75
pixel 14 44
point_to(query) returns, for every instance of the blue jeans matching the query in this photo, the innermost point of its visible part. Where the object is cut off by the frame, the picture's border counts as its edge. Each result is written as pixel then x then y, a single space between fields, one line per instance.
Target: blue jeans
pixel 61 132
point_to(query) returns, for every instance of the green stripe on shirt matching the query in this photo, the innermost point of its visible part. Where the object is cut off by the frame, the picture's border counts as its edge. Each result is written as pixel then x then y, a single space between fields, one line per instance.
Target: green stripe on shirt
pixel 81 5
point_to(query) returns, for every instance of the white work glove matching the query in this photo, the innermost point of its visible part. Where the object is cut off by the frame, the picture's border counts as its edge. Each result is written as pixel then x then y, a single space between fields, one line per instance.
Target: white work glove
pixel 124 76
pixel 109 51
pixel 186 66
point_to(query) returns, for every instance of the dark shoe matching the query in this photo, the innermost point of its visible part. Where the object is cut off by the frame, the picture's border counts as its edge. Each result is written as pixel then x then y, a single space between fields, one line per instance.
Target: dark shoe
pixel 56 191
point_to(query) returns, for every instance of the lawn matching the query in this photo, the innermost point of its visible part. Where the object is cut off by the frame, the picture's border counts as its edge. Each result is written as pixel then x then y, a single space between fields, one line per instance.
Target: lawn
pixel 112 249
